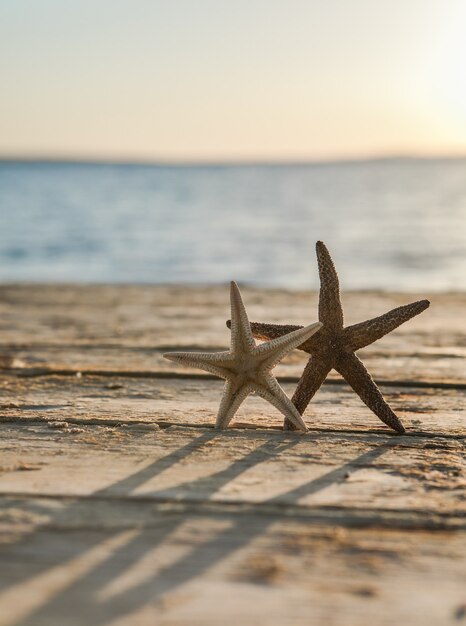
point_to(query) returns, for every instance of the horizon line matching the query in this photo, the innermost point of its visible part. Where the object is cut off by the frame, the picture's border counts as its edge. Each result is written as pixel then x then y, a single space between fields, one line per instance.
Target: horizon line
pixel 231 161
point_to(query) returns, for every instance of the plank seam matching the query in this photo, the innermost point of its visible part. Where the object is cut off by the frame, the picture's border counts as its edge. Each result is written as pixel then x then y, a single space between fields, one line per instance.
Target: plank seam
pixel 241 427
pixel 421 519
pixel 38 372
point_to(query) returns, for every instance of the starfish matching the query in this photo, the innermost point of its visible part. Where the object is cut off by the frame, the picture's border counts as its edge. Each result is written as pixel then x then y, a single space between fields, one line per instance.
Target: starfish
pixel 247 367
pixel 334 347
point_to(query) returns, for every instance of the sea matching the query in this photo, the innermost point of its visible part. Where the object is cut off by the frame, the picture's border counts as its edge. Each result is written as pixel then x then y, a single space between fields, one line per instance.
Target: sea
pixel 390 224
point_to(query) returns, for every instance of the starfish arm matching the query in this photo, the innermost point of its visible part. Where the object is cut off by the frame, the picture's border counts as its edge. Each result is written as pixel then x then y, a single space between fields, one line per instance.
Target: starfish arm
pixel 275 350
pixel 266 332
pixel 241 335
pixel 231 400
pixel 361 335
pixel 330 309
pixel 357 376
pixel 314 374
pixel 273 393
pixel 214 362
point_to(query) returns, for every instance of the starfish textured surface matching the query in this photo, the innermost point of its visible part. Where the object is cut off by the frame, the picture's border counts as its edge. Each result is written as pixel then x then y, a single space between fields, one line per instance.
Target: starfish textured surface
pixel 247 367
pixel 334 346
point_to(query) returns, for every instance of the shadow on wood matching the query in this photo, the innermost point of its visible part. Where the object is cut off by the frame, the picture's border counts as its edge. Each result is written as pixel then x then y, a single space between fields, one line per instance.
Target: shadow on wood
pixel 80 593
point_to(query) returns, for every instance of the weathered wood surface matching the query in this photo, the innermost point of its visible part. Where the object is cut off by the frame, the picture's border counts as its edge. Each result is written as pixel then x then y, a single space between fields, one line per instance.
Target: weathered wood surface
pixel 126 329
pixel 359 474
pixel 121 505
pixel 185 402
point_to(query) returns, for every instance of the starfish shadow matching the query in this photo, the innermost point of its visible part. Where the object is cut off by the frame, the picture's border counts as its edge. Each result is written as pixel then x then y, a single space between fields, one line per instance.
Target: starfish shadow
pixel 241 529
pixel 120 488
pixel 117 490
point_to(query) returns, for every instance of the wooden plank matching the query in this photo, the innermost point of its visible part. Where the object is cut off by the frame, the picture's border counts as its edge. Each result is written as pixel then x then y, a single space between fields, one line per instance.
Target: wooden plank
pixel 366 472
pixel 125 563
pixel 434 367
pixel 194 402
pixel 334 528
pixel 127 328
pixel 120 505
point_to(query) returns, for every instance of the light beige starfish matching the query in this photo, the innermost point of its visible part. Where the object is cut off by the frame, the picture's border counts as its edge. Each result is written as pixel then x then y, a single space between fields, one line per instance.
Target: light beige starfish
pixel 247 367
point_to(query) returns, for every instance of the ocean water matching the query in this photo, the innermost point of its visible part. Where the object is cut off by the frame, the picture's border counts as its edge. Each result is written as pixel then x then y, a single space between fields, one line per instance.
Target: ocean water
pixel 389 224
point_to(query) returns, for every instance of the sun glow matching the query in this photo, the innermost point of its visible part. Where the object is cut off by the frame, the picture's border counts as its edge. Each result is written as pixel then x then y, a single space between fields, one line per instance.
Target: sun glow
pixel 252 80
pixel 448 76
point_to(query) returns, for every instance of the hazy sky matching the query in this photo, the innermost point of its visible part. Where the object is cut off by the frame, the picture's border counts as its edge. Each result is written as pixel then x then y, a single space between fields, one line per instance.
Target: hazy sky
pixel 229 79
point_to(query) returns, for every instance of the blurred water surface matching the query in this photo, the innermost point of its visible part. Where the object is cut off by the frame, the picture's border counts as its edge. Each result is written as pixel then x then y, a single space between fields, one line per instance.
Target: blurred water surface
pixel 389 224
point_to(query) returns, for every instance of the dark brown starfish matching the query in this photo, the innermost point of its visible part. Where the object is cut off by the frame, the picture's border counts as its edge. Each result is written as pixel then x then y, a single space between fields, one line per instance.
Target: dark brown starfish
pixel 334 347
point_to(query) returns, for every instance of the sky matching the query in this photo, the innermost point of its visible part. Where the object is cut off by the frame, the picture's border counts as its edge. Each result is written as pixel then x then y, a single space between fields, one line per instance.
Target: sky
pixel 208 80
